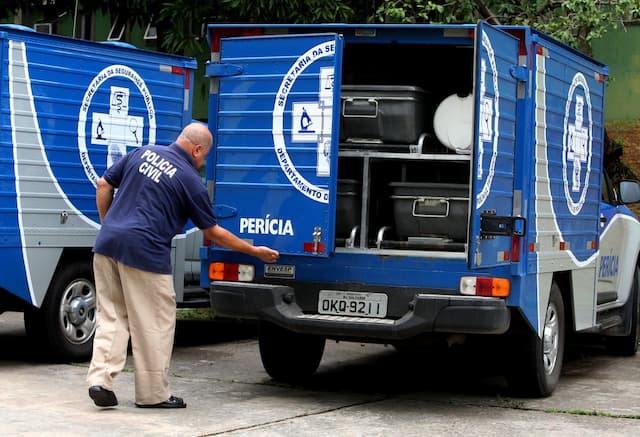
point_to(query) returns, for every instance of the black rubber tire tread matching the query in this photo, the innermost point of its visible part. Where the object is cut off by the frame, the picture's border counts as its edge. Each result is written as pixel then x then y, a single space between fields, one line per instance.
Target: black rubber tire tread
pixel 527 375
pixel 42 324
pixel 289 356
pixel 627 345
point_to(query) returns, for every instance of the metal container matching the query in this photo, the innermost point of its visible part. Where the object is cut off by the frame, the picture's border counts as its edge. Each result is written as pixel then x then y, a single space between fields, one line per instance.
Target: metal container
pixel 382 114
pixel 348 206
pixel 430 209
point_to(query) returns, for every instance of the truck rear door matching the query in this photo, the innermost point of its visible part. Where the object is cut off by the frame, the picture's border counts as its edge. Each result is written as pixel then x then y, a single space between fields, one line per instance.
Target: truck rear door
pixel 496 58
pixel 275 139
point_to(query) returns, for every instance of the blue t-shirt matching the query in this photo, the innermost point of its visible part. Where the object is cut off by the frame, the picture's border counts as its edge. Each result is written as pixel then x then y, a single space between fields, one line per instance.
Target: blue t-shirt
pixel 159 189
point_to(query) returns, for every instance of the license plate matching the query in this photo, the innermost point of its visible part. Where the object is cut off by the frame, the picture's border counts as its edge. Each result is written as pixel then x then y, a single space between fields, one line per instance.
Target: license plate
pixel 279 271
pixel 351 303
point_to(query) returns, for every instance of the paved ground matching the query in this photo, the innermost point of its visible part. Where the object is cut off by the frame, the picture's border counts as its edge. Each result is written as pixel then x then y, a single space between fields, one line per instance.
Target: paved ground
pixel 359 390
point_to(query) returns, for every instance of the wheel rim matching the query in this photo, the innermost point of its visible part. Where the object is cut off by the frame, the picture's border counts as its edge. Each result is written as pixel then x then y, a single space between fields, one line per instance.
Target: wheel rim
pixel 550 339
pixel 77 314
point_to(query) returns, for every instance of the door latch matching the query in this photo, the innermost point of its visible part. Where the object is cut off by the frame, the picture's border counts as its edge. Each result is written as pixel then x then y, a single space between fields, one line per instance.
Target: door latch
pixel 496 225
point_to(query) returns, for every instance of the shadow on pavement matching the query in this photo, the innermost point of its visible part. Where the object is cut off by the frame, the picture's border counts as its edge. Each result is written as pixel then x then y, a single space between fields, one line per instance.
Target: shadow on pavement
pixel 476 368
pixel 218 330
pixel 473 368
pixel 15 345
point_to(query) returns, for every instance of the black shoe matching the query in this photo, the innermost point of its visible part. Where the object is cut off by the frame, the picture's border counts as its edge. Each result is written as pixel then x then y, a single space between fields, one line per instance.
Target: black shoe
pixel 102 397
pixel 172 402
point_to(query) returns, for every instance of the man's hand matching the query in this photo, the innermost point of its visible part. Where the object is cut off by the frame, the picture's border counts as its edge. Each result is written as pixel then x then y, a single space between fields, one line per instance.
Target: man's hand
pixel 222 237
pixel 267 254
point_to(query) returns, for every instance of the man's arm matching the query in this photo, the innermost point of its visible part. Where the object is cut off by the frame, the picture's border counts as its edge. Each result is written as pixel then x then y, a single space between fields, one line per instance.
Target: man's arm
pixel 104 197
pixel 223 237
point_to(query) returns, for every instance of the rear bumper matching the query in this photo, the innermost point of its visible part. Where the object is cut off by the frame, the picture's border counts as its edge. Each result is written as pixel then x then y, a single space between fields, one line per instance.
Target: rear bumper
pixel 429 313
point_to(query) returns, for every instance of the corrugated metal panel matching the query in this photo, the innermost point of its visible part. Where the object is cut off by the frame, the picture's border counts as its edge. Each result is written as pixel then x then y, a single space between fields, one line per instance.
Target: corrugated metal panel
pixel 276 169
pixel 495 145
pixel 70 106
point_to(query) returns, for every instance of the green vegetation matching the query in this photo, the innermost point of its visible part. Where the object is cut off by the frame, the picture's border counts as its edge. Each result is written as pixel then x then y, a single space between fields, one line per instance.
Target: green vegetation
pixel 574 22
pixel 181 23
pixel 593 413
pixel 195 314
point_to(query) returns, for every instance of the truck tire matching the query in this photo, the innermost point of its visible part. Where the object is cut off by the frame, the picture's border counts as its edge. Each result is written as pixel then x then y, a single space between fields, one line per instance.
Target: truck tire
pixel 627 345
pixel 65 324
pixel 289 356
pixel 538 361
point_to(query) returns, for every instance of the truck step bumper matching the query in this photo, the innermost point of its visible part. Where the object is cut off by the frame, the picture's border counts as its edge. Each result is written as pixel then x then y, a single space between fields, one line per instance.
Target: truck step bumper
pixel 430 313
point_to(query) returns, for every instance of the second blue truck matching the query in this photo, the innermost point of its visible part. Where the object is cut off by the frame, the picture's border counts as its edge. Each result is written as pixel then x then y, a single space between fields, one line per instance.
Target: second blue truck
pixel 421 182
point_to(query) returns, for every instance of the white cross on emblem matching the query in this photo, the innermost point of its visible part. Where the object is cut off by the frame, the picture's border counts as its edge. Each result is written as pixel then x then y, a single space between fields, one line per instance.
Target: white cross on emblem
pixel 311 121
pixel 577 144
pixel 117 129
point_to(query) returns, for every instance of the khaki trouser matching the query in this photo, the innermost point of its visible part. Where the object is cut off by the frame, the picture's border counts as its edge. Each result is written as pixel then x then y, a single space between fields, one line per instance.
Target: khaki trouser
pixel 140 304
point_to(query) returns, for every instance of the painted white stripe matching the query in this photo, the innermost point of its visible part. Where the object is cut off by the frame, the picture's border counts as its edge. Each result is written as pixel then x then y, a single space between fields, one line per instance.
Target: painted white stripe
pixel 45 160
pixel 12 64
pixel 541 158
pixel 18 63
pixel 546 219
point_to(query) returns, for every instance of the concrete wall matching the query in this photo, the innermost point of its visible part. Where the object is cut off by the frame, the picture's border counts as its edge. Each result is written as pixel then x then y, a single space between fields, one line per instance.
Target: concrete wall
pixel 620 50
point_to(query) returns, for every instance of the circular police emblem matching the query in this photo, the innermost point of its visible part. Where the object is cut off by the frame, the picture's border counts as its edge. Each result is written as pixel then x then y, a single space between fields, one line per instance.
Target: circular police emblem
pixel 577 143
pixel 489 101
pixel 306 113
pixel 108 124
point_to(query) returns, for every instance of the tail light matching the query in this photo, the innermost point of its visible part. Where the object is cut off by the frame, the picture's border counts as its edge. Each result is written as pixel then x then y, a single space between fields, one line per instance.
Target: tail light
pixel 515 248
pixel 222 271
pixel 475 286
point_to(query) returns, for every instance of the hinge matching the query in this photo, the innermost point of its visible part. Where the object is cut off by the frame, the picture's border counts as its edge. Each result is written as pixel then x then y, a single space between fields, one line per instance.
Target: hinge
pixel 224 211
pixel 519 72
pixel 215 69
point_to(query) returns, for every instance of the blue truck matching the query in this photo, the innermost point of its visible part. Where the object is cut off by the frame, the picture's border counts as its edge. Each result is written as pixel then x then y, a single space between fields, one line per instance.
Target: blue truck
pixel 422 183
pixel 70 108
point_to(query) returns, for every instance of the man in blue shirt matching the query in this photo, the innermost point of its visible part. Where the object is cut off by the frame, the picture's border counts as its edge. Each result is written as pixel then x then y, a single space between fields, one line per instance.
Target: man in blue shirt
pixel 159 189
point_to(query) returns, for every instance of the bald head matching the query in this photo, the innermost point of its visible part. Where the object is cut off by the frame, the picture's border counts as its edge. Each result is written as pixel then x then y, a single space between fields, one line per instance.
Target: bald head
pixel 196 140
pixel 195 133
